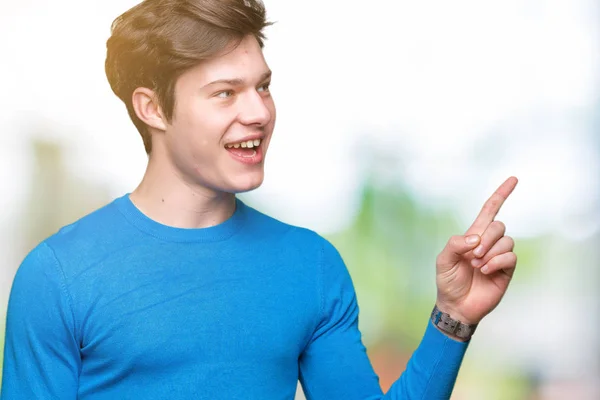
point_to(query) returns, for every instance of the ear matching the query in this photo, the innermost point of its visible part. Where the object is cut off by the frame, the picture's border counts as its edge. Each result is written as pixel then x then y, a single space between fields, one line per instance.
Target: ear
pixel 146 107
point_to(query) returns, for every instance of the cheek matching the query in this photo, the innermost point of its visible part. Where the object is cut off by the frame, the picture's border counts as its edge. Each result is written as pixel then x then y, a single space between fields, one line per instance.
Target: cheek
pixel 273 111
pixel 204 131
pixel 272 108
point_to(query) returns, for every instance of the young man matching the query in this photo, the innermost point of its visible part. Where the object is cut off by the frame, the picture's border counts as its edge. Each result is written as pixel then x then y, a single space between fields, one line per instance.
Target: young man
pixel 181 291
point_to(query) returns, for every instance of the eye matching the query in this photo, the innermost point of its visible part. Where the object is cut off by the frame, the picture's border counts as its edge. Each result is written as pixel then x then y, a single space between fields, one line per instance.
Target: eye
pixel 224 94
pixel 264 87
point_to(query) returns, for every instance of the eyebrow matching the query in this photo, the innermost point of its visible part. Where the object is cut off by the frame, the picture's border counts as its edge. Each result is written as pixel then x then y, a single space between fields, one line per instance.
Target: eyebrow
pixel 238 81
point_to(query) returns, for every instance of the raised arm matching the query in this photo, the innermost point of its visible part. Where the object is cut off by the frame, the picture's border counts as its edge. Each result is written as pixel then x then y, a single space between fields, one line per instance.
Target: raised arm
pixel 473 272
pixel 335 364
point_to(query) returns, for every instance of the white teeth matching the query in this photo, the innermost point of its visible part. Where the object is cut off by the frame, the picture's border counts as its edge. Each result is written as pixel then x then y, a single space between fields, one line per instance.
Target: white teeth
pixel 237 145
pixel 244 144
pixel 256 142
pixel 250 144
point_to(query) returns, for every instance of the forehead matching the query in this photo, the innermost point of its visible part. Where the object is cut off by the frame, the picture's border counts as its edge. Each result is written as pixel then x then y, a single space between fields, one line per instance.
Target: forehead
pixel 246 61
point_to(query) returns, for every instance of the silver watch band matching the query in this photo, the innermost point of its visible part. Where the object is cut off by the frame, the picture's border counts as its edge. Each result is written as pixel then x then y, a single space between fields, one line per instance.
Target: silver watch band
pixel 445 322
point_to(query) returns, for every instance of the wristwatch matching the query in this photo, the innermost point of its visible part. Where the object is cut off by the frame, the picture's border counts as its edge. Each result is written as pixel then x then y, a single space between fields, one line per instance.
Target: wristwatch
pixel 445 322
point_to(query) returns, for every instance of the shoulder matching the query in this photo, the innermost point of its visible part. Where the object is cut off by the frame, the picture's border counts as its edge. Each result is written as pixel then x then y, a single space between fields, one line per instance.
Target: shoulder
pixel 90 227
pixel 271 228
pixel 79 241
pixel 304 242
pixel 40 261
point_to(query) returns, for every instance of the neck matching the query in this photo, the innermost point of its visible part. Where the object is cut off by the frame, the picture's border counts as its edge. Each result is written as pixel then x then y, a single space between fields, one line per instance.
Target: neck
pixel 165 196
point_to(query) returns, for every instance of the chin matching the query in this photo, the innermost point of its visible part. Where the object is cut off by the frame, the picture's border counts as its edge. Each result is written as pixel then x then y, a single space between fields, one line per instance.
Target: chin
pixel 248 184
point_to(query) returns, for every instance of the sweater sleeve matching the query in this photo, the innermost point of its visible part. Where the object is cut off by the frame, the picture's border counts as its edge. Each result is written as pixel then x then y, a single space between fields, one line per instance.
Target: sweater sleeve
pixel 335 365
pixel 41 354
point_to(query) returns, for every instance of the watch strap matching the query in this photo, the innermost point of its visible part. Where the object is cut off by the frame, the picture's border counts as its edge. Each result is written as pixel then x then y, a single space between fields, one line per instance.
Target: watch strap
pixel 452 326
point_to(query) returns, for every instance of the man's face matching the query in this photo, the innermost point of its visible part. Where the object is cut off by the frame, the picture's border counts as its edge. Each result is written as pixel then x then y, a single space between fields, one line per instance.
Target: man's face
pixel 223 121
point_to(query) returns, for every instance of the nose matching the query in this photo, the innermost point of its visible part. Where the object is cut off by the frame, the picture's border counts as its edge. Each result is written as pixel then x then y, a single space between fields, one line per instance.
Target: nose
pixel 255 109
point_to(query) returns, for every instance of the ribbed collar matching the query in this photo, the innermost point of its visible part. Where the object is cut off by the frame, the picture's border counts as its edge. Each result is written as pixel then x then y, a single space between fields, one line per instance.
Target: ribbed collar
pixel 168 233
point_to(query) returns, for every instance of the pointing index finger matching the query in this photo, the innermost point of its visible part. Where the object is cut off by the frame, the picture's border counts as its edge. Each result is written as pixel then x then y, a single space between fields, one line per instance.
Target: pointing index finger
pixel 492 206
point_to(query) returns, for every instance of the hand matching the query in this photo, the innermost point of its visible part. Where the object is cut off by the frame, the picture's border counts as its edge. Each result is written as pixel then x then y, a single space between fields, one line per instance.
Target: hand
pixel 474 270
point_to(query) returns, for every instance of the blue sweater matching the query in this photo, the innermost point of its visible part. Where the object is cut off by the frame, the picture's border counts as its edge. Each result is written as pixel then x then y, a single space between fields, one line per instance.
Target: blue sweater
pixel 118 306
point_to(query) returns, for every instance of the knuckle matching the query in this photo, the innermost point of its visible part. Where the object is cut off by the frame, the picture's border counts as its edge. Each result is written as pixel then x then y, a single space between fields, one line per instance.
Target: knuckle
pixel 510 242
pixel 508 260
pixel 492 204
pixel 454 241
pixel 500 226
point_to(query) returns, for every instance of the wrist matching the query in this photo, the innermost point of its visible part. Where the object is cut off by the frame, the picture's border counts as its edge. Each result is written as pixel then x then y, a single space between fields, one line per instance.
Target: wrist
pixel 450 335
pixel 455 314
pixel 450 326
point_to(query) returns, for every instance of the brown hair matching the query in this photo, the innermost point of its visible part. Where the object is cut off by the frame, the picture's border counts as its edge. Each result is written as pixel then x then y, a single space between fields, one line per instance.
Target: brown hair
pixel 154 43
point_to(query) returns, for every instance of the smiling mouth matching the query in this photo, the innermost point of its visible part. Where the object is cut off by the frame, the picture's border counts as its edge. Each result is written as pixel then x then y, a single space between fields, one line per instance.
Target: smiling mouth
pixel 249 151
pixel 248 144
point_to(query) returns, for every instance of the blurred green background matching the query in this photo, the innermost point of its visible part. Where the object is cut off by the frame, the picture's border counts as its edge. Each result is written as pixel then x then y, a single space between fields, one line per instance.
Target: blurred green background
pixel 414 112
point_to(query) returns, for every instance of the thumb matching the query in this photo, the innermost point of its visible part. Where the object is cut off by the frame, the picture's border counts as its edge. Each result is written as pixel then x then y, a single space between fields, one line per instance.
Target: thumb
pixel 455 249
